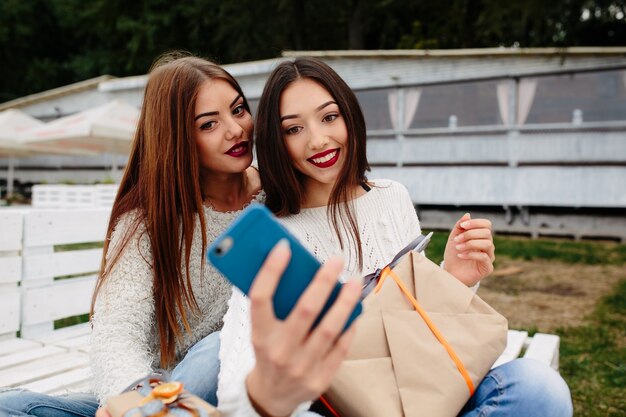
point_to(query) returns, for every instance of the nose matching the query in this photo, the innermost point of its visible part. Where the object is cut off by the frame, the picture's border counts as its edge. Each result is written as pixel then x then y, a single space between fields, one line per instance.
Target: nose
pixel 317 139
pixel 233 130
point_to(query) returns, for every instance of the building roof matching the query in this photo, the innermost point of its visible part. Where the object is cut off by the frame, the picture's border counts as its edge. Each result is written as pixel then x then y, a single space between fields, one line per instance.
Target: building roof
pixel 90 84
pixel 460 53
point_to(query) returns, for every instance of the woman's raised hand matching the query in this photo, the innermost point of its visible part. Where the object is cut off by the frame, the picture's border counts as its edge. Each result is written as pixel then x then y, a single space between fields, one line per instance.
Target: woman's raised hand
pixel 294 365
pixel 470 251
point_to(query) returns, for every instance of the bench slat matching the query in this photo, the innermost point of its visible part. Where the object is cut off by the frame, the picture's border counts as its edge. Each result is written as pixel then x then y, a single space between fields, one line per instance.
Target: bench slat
pixel 514 343
pixel 545 348
pixel 17 345
pixel 62 263
pixel 42 368
pixel 9 308
pixel 57 300
pixel 72 381
pixel 65 333
pixel 26 356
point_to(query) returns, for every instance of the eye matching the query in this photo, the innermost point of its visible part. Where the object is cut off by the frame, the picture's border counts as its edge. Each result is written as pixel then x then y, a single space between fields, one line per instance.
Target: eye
pixel 208 125
pixel 293 130
pixel 239 110
pixel 330 117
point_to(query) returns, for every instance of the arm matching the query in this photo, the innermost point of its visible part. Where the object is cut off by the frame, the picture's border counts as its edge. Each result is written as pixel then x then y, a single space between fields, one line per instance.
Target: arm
pixel 468 263
pixel 292 366
pixel 123 319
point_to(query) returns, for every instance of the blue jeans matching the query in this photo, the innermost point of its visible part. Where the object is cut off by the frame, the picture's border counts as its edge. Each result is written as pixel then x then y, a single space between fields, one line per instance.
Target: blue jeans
pixel 199 380
pixel 524 388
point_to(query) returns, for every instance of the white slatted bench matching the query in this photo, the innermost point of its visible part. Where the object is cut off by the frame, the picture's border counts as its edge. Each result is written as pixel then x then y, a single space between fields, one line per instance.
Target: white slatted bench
pixel 31 299
pixel 56 361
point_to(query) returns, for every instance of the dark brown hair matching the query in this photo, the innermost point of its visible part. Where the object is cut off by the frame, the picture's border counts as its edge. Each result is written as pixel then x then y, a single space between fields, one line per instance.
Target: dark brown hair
pixel 161 188
pixel 283 184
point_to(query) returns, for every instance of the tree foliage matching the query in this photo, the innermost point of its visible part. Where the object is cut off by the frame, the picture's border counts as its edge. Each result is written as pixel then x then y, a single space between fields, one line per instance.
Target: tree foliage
pixel 49 43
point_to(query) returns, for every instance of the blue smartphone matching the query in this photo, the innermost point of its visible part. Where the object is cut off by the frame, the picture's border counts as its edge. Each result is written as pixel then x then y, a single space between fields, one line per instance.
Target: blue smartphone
pixel 241 249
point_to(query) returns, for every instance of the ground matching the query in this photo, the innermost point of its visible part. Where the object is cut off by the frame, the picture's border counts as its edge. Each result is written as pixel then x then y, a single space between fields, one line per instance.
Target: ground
pixel 547 295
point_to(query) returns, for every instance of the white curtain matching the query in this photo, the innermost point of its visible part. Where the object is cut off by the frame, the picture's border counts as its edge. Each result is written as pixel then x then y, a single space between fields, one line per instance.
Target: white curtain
pixel 504 89
pixel 392 99
pixel 525 96
pixel 411 102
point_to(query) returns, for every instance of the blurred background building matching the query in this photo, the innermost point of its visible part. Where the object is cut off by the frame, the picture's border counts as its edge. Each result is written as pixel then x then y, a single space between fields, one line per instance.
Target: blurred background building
pixel 533 138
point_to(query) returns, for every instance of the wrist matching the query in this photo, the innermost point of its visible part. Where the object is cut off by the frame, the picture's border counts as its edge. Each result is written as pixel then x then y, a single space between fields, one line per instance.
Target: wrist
pixel 264 405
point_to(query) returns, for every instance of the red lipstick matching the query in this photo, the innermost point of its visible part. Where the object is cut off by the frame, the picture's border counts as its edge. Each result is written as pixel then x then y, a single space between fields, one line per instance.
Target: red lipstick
pixel 325 159
pixel 239 149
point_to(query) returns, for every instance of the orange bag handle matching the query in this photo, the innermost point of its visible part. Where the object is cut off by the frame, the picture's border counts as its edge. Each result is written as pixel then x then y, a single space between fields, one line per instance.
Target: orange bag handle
pixel 388 271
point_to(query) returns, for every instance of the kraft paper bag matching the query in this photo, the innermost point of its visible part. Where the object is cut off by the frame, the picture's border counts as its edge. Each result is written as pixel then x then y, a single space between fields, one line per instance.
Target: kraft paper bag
pixel 126 405
pixel 397 366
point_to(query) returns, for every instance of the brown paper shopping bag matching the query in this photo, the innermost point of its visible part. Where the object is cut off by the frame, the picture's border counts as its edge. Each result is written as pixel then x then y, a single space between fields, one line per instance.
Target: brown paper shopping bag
pixel 409 363
pixel 157 398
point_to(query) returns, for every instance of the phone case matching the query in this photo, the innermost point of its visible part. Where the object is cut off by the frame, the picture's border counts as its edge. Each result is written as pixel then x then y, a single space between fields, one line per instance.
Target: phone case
pixel 242 248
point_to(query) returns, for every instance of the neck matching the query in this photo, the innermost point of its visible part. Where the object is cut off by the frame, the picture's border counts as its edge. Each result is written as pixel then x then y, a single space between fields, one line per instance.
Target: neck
pixel 318 194
pixel 226 191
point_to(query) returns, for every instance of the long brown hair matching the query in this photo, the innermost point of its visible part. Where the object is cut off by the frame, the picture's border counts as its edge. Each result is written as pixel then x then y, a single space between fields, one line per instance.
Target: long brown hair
pixel 283 184
pixel 161 187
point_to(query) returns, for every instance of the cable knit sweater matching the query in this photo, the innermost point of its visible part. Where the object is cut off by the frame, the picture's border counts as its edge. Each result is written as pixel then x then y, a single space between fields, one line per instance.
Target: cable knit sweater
pixel 124 340
pixel 387 222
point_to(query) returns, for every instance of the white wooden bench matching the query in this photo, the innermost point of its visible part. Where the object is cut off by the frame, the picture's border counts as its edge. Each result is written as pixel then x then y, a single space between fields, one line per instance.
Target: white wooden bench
pixel 56 361
pixel 31 299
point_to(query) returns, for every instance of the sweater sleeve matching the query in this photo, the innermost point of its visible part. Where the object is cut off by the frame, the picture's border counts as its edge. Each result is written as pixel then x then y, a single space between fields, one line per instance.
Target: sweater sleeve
pixel 237 360
pixel 123 317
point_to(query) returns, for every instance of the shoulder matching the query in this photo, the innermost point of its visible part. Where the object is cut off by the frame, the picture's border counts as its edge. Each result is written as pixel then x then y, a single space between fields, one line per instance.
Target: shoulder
pixel 129 233
pixel 389 187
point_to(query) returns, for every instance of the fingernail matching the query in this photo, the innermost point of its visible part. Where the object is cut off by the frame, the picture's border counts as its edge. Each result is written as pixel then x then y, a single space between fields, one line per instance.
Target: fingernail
pixel 460 247
pixel 284 242
pixel 459 238
pixel 461 255
pixel 465 225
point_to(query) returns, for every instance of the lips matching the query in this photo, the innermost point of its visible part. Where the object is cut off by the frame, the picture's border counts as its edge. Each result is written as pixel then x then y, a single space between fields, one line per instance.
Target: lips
pixel 325 159
pixel 239 149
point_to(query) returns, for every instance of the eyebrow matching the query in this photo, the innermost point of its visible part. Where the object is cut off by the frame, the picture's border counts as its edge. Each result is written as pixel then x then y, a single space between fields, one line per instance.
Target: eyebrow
pixel 213 113
pixel 293 116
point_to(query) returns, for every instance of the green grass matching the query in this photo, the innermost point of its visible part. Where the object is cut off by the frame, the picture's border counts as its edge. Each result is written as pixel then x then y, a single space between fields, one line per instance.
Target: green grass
pixel 593 359
pixel 567 251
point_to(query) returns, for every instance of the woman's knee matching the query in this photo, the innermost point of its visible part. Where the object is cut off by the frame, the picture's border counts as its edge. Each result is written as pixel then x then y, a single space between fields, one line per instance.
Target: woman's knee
pixel 536 382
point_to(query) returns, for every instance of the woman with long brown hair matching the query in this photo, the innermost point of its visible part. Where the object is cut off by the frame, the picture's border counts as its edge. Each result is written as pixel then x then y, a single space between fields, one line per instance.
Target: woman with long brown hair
pixel 187 178
pixel 157 303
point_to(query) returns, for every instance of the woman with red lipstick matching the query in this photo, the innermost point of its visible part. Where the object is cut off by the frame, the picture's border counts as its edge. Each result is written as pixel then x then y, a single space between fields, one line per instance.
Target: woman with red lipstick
pixel 157 303
pixel 311 142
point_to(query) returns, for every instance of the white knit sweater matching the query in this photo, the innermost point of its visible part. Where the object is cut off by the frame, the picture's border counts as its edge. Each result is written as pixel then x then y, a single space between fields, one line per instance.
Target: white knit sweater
pixel 124 341
pixel 387 222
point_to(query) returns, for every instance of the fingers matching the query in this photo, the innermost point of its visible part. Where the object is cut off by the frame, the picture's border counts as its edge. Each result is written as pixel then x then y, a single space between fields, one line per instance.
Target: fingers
pixel 325 335
pixel 457 229
pixel 476 237
pixel 475 224
pixel 336 355
pixel 264 286
pixel 313 299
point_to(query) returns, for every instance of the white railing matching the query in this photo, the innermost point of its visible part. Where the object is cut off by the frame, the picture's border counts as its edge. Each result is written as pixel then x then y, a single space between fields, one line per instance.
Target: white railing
pixel 73 196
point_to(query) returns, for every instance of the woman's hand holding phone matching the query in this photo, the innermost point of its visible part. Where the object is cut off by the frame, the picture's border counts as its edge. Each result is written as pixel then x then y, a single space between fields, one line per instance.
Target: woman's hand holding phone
pixel 295 364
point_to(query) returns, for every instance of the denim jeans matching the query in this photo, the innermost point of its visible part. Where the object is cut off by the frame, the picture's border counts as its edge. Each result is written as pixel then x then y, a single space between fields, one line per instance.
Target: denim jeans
pixel 520 388
pixel 199 380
